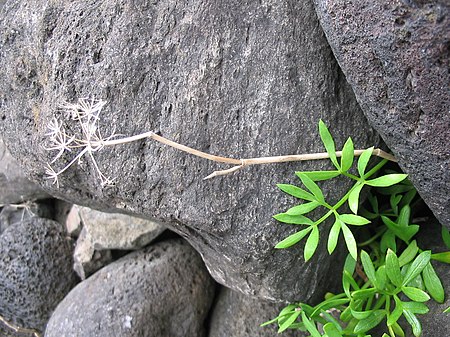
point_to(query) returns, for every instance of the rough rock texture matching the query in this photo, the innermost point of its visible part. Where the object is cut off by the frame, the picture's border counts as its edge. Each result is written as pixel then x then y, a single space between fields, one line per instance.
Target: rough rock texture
pixel 36 271
pixel 239 315
pixel 14 186
pixel 11 214
pixel 86 260
pixel 161 291
pixel 118 231
pixel 395 54
pixel 235 78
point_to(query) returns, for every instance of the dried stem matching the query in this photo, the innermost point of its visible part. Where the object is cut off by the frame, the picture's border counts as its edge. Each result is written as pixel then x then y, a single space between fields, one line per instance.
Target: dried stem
pixel 18 329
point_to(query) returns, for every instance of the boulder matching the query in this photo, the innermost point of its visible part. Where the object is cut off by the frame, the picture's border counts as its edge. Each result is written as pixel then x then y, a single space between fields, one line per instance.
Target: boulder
pixel 234 78
pixel 239 315
pixel 395 56
pixel 36 271
pixel 163 290
pixel 15 187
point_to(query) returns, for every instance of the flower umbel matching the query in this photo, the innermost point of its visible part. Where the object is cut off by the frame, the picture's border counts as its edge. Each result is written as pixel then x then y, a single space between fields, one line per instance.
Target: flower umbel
pixel 88 140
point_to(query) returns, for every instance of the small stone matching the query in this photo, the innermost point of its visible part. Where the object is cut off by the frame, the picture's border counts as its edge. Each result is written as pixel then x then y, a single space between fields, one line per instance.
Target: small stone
pixel 73 221
pixel 118 231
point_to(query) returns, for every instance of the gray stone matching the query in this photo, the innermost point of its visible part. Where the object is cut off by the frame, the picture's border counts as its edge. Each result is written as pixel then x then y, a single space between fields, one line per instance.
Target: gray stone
pixel 67 214
pixel 117 231
pixel 16 213
pixel 163 290
pixel 87 260
pixel 395 56
pixel 239 315
pixel 15 187
pixel 234 78
pixel 36 265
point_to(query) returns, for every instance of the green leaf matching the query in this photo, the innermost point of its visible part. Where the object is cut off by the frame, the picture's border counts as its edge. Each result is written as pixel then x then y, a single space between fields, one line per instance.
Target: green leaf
pixel 361 314
pixel 364 160
pixel 414 322
pixel 441 257
pixel 293 219
pixel 328 142
pixel 328 304
pixel 311 243
pixel 433 283
pixel 386 180
pixel 393 269
pixel 404 233
pixel 394 200
pixel 353 198
pixel 388 241
pixel 446 311
pixel 415 294
pixel 396 313
pixel 350 241
pixel 333 236
pixel 408 197
pixel 296 191
pixel 310 326
pixel 369 269
pixel 408 254
pixel 370 322
pixel 347 155
pixel 331 330
pixel 381 276
pixel 287 323
pixel 319 175
pixel 445 236
pixel 293 239
pixel 405 214
pixel 312 186
pixel 363 293
pixel 415 307
pixel 303 208
pixel 353 219
pixel 417 266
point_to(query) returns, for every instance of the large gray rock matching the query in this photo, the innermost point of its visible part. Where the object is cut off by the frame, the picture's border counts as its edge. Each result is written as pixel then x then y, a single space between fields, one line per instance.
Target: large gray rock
pixel 161 291
pixel 15 187
pixel 239 315
pixel 395 55
pixel 235 78
pixel 36 271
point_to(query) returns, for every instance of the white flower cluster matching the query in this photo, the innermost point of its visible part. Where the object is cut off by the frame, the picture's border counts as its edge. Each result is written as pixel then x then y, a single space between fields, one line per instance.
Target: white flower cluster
pixel 88 140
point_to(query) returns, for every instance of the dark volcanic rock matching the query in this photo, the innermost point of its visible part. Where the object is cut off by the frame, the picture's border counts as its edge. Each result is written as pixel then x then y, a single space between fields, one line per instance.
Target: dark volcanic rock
pixel 395 54
pixel 235 78
pixel 239 315
pixel 36 271
pixel 161 291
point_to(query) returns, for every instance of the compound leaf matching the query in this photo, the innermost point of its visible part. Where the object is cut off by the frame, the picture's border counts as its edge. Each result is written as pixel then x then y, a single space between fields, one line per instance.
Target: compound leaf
pixel 293 239
pixel 353 219
pixel 417 266
pixel 350 241
pixel 293 219
pixel 303 208
pixel 414 322
pixel 415 294
pixel 328 142
pixel 319 175
pixel 415 307
pixel 312 186
pixel 387 180
pixel 347 155
pixel 311 243
pixel 296 191
pixel 432 283
pixel 353 198
pixel 364 160
pixel 333 236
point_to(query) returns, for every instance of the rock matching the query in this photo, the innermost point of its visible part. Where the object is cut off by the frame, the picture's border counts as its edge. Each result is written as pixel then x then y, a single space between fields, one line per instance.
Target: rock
pixel 234 78
pixel 395 56
pixel 16 213
pixel 15 188
pixel 36 265
pixel 67 214
pixel 118 231
pixel 87 260
pixel 163 290
pixel 239 315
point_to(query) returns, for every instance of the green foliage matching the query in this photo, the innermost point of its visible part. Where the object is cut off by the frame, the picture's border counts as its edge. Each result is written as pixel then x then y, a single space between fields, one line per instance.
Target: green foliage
pixel 393 278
